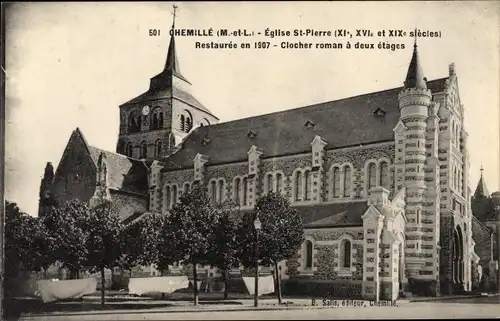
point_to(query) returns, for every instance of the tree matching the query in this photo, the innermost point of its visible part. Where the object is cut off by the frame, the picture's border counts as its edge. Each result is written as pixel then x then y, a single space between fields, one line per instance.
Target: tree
pixel 140 241
pixel 281 235
pixel 25 248
pixel 67 230
pixel 187 234
pixel 224 255
pixel 103 244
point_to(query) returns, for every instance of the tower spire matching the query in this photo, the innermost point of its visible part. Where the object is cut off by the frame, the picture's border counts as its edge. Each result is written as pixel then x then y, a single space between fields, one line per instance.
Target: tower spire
pixel 172 64
pixel 415 75
pixel 481 189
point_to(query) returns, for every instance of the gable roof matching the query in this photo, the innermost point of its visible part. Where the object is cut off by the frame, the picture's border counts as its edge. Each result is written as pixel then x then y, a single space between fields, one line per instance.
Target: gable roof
pixel 342 123
pixel 124 173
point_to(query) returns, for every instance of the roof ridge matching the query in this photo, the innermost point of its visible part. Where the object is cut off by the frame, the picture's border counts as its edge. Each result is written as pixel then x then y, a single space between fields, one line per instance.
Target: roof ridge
pixel 319 104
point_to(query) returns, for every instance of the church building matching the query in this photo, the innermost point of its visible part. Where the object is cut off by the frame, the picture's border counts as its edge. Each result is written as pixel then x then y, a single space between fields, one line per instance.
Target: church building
pixel 380 179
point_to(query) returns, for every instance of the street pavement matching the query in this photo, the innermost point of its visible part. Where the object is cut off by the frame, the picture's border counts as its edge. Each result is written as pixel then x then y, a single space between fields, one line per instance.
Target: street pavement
pixel 484 307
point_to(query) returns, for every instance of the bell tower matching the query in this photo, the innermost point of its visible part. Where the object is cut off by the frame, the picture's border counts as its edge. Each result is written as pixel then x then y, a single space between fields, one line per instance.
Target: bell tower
pixel 153 123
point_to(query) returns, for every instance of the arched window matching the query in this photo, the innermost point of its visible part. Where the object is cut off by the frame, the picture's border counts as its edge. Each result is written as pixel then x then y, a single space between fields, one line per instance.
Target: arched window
pixel 186 187
pixel 134 122
pixel 204 122
pixel 213 190
pixel 418 212
pixel 129 149
pixel 336 182
pixel 236 190
pixel 309 254
pixel 346 251
pixel 372 176
pixel 182 123
pixel 279 183
pixel 298 186
pixel 308 181
pixel 160 120
pixel 168 197
pixel 154 125
pixel 347 181
pixel 174 194
pixel 384 175
pixel 269 183
pixel 245 189
pixel 144 150
pixel 221 191
pixel 171 141
pixel 158 149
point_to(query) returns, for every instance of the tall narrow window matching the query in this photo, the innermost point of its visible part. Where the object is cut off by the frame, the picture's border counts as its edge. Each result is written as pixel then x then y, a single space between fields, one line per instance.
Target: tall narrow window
pixel 309 254
pixel 336 182
pixel 347 181
pixel 186 187
pixel 129 149
pixel 372 176
pixel 245 189
pixel 237 190
pixel 384 175
pixel 346 260
pixel 298 186
pixel 221 191
pixel 160 121
pixel 134 122
pixel 174 194
pixel 182 123
pixel 144 150
pixel 269 183
pixel 168 197
pixel 189 124
pixel 171 141
pixel 418 216
pixel 279 183
pixel 155 121
pixel 158 149
pixel 308 182
pixel 213 190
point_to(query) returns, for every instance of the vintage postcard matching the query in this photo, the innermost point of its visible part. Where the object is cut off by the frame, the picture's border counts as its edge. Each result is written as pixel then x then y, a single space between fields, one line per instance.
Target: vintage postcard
pixel 239 160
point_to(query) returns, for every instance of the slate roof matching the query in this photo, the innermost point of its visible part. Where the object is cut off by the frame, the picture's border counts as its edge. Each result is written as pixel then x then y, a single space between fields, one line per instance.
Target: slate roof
pixel 326 215
pixel 480 232
pixel 333 215
pixel 342 123
pixel 481 189
pixel 172 92
pixel 124 173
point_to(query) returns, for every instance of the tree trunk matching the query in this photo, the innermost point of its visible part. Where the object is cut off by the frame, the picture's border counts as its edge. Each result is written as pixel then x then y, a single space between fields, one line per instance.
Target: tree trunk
pixel 195 281
pixel 224 275
pixel 45 274
pixel 278 282
pixel 103 283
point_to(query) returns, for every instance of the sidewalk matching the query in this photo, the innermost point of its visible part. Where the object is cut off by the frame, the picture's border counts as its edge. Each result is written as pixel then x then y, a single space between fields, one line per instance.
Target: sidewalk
pixel 122 303
pixel 92 306
pixel 450 297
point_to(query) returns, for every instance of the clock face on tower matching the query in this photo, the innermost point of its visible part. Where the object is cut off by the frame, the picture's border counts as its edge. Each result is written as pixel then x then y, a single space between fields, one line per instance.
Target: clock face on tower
pixel 145 110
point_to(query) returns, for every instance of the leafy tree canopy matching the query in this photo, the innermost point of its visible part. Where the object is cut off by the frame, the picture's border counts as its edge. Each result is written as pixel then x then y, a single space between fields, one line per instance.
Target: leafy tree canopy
pixel 187 234
pixel 281 233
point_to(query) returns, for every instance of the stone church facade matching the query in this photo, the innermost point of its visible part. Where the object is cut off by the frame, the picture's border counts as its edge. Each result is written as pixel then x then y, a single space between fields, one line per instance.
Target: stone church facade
pixel 379 179
pixel 486 224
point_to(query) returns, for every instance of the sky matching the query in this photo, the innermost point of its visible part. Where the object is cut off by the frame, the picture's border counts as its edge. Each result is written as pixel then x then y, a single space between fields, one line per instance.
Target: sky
pixel 72 64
